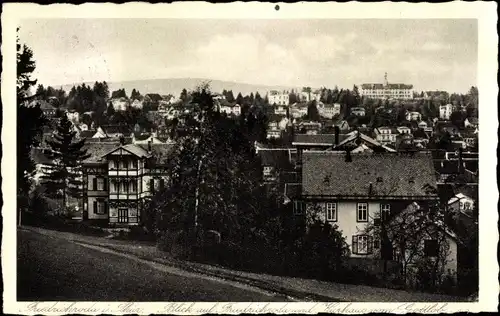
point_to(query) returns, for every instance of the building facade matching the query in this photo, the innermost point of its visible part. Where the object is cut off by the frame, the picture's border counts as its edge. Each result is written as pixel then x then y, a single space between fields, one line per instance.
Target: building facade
pixel 387 90
pixel 118 182
pixel 278 97
pixel 355 191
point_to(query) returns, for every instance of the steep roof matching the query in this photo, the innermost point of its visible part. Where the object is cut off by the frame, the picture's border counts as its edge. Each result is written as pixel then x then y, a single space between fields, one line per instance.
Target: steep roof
pixel 159 152
pixel 114 129
pixel 327 173
pixel 98 149
pixel 276 158
pixel 87 134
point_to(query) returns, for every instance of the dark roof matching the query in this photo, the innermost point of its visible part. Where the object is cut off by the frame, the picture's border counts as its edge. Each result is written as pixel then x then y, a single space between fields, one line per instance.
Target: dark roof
pixel 141 136
pixel 392 175
pixel 276 158
pixel 44 105
pixel 87 134
pixel 468 190
pixel 159 152
pixel 154 96
pixel 98 149
pixel 318 138
pixel 114 129
pixel 473 120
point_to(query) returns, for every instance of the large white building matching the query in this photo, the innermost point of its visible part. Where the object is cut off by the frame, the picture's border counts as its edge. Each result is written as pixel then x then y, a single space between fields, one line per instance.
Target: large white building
pixel 278 97
pixel 387 90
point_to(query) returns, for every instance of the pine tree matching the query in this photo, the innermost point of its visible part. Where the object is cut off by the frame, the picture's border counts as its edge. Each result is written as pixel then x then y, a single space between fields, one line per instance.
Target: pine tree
pixel 239 98
pixel 30 121
pixel 110 111
pixel 63 179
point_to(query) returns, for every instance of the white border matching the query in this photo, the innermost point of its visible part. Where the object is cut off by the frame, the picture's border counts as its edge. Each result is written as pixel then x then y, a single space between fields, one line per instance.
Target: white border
pixel 485 12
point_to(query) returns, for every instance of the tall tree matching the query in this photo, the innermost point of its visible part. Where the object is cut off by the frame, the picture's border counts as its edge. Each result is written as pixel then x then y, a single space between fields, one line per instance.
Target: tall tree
pixel 230 96
pixel 239 98
pixel 312 111
pixel 64 177
pixel 209 190
pixel 110 111
pixel 30 121
pixel 184 95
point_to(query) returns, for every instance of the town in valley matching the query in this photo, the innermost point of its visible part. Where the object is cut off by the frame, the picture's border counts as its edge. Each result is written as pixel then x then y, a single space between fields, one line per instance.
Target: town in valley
pixel 263 193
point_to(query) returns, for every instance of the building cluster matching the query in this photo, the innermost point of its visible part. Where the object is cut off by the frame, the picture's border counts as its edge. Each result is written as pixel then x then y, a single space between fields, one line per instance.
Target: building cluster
pixel 351 176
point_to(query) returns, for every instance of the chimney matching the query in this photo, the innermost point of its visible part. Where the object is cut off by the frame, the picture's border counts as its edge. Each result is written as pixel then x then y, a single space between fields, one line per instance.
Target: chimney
pixel 337 132
pixel 149 145
pixel 460 160
pixel 348 157
pixel 122 140
pixel 370 190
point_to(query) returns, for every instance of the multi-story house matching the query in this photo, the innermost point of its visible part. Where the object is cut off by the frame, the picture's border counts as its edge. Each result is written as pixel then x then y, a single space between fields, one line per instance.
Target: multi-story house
pixel 386 90
pixel 413 116
pixel 278 97
pixel 386 135
pixel 329 110
pixel 120 104
pixel 445 111
pixel 119 178
pixel 403 129
pixel 230 109
pixel 354 191
pixel 298 111
pixel 280 110
pixel 310 96
pixel 358 111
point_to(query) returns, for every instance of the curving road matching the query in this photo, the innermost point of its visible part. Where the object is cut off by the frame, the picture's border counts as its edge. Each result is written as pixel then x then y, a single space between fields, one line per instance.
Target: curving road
pixel 54 269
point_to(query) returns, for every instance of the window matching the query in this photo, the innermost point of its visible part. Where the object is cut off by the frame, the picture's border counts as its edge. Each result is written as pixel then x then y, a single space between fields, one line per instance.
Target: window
pixel 112 164
pixel 362 244
pixel 152 185
pixel 362 213
pixel 134 163
pixel 123 215
pixel 331 212
pixel 467 206
pixel 115 186
pixel 100 184
pixel 298 207
pixel 385 211
pixel 133 186
pixel 125 186
pixel 123 164
pixel 267 171
pixel 431 248
pixel 162 184
pixel 100 207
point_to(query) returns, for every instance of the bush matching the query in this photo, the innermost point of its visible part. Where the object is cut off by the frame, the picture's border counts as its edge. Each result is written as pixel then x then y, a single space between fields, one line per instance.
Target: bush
pixel 176 243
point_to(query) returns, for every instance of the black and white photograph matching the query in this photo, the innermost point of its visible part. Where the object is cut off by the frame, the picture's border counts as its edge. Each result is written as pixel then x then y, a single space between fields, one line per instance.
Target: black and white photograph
pixel 270 159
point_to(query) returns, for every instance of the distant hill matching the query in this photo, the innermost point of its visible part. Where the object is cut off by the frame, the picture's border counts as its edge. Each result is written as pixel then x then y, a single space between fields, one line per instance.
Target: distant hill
pixel 174 86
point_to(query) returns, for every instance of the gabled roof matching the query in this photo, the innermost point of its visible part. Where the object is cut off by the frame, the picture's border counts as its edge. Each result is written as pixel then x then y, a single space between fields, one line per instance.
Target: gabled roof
pixel 44 105
pixel 328 174
pixel 87 134
pixel 275 158
pixel 355 134
pixel 116 129
pixel 98 149
pixel 154 96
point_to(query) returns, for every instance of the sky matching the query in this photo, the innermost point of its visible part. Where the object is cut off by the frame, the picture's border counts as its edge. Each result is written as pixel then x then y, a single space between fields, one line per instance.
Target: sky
pixel 430 54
